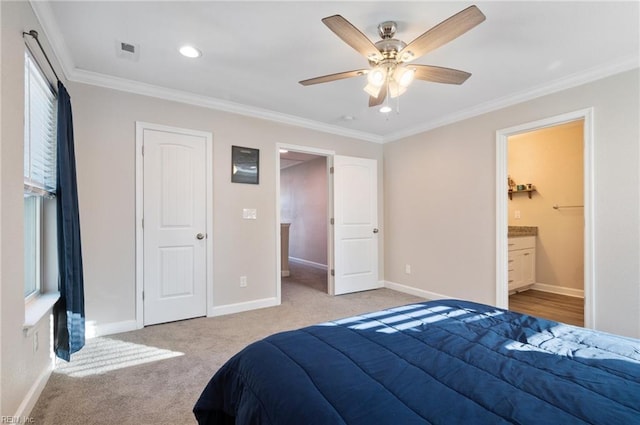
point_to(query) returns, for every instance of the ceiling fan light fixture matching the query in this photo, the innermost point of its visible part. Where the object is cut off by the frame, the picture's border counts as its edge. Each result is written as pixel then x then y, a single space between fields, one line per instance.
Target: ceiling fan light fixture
pixel 373 90
pixel 404 76
pixel 377 76
pixel 385 109
pixel 396 89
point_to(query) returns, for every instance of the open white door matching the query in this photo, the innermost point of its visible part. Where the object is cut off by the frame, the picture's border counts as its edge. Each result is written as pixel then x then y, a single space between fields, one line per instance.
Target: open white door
pixel 175 246
pixel 355 224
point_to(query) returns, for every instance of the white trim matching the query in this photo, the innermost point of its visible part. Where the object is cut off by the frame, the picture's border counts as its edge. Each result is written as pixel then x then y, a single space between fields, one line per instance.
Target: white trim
pixel 139 230
pixel 243 306
pixel 30 399
pixel 94 330
pixel 308 263
pixel 278 227
pixel 46 18
pixel 428 295
pixel 502 294
pixel 561 290
pixel 208 136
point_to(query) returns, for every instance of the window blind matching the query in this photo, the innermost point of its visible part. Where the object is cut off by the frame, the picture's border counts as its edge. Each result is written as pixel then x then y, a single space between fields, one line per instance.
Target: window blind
pixel 40 132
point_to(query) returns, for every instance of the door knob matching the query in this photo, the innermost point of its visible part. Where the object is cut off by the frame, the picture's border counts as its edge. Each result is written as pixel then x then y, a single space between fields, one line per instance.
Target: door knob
pixel 375 230
pixel 200 236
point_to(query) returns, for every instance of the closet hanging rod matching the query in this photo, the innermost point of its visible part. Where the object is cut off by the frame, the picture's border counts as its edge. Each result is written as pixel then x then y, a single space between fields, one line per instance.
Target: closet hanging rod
pixel 557 207
pixel 34 34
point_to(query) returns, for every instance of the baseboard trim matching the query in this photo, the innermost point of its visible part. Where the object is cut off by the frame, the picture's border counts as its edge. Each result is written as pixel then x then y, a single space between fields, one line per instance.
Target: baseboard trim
pixel 244 306
pixel 561 290
pixel 32 396
pixel 92 329
pixel 415 291
pixel 308 263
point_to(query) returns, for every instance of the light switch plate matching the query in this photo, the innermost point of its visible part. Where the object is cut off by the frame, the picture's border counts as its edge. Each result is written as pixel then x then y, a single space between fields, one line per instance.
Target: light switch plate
pixel 249 213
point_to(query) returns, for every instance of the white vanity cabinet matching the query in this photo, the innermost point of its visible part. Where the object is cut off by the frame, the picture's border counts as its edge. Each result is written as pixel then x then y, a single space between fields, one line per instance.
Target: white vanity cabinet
pixel 522 262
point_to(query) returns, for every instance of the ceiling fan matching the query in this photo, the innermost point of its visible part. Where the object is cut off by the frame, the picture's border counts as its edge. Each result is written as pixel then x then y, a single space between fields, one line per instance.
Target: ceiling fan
pixel 390 72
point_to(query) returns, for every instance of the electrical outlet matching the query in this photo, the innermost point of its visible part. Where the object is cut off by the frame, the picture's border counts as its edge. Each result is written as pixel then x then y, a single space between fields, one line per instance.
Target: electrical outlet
pixel 243 281
pixel 517 214
pixel 407 268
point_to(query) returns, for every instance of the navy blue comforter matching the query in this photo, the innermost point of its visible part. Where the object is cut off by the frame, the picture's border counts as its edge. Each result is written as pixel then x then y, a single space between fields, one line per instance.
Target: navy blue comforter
pixel 438 362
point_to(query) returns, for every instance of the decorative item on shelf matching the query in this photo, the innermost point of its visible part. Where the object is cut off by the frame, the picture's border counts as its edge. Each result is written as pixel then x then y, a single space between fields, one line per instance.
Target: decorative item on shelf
pixel 521 188
pixel 510 183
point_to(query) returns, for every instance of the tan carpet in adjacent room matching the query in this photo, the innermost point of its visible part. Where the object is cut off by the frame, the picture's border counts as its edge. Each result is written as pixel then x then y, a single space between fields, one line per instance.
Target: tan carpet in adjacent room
pixel 155 375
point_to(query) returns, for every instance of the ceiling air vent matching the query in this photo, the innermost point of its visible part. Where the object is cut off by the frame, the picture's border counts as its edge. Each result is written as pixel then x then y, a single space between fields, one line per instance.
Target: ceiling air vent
pixel 128 51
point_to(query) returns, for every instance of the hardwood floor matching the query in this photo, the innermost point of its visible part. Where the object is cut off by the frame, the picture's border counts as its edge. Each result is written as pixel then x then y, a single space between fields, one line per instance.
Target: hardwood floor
pixel 560 308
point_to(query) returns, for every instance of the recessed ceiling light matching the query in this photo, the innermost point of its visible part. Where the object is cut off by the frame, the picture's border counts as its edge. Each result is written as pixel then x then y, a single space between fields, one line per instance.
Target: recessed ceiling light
pixel 385 109
pixel 190 51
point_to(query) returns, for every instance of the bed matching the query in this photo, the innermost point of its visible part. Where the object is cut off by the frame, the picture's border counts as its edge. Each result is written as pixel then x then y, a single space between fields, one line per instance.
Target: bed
pixel 437 362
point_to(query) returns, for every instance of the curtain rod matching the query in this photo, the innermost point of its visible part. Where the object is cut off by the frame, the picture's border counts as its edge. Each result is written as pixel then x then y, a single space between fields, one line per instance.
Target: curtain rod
pixel 34 34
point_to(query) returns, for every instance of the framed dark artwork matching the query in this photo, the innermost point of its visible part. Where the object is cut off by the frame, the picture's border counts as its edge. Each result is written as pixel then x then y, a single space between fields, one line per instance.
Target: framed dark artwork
pixel 245 165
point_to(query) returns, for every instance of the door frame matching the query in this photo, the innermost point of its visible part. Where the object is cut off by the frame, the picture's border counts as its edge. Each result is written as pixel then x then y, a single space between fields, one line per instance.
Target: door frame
pixel 140 127
pixel 329 156
pixel 502 292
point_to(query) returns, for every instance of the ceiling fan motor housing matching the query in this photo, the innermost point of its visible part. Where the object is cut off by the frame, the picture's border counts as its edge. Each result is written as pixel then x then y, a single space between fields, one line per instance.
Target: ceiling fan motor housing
pixel 388 46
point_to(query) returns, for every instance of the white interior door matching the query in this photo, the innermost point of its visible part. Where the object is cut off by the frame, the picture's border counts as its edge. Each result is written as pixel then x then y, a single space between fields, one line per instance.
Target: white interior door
pixel 355 224
pixel 174 225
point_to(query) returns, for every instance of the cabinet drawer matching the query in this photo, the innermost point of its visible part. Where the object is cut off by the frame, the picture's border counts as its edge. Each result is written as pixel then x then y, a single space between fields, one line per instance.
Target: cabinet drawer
pixel 522 242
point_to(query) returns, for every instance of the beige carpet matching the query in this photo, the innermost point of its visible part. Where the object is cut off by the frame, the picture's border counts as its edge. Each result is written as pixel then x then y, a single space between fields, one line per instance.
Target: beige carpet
pixel 155 375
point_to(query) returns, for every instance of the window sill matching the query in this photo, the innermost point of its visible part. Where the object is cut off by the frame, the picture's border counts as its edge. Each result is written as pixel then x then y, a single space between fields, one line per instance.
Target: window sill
pixel 36 309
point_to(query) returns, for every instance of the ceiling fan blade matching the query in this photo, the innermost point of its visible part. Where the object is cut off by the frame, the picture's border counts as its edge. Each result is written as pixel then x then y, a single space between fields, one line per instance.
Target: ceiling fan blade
pixel 442 33
pixel 382 95
pixel 333 77
pixel 352 36
pixel 436 74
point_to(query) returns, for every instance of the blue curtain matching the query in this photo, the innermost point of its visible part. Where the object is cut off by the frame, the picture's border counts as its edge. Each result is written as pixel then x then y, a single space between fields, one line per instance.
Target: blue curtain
pixel 68 313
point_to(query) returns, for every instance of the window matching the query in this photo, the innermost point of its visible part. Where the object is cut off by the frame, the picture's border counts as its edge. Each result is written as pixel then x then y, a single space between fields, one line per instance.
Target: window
pixel 39 168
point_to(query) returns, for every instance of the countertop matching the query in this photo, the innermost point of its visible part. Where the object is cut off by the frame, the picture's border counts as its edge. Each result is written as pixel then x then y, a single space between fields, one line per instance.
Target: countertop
pixel 518 231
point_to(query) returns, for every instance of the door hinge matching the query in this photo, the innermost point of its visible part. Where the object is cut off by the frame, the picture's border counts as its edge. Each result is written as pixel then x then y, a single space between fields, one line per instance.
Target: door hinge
pixel 143 223
pixel 333 272
pixel 331 170
pixel 332 221
pixel 142 295
pixel 142 150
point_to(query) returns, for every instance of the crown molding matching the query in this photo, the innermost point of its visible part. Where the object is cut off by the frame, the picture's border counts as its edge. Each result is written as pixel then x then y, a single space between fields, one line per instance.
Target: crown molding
pixel 130 86
pixel 44 15
pixel 574 80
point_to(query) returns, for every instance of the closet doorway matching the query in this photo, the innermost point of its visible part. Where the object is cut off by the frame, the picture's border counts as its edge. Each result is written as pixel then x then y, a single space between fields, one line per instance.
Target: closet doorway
pixel 304 218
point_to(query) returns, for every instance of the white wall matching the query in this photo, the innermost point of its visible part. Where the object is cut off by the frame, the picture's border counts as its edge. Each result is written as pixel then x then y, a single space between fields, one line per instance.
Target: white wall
pixel 104 121
pixel 23 372
pixel 440 200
